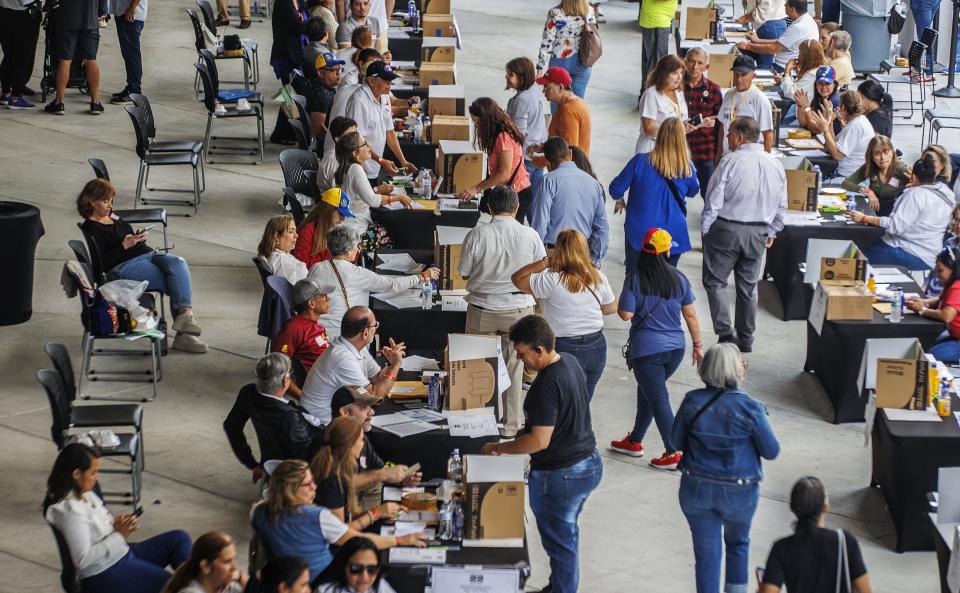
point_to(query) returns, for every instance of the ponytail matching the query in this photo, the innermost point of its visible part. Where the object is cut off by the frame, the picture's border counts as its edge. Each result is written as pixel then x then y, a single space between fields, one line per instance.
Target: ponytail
pixel 806 501
pixel 208 547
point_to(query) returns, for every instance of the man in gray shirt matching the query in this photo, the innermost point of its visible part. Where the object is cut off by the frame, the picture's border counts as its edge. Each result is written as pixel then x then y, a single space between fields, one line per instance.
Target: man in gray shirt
pixel 129 15
pixel 742 214
pixel 359 17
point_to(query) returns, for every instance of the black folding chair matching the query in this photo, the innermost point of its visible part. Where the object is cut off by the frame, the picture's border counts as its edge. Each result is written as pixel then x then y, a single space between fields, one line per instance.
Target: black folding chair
pixel 292 204
pixel 156 146
pixel 210 102
pixel 69 579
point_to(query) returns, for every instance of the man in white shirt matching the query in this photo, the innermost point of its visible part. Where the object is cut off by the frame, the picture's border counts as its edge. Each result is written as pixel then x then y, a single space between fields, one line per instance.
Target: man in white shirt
pixel 348 362
pixel 745 100
pixel 742 213
pixel 490 254
pixel 375 119
pixel 787 46
pixel 769 21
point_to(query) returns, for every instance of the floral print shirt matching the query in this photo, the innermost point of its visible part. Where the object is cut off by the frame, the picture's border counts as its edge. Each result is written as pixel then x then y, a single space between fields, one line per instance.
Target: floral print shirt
pixel 561 35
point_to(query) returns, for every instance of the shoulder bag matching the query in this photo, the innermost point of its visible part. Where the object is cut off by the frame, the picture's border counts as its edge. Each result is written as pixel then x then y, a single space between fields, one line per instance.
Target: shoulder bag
pixel 625 350
pixel 843 563
pixel 484 199
pixel 676 195
pixel 591 48
pixel 343 288
pixel 896 18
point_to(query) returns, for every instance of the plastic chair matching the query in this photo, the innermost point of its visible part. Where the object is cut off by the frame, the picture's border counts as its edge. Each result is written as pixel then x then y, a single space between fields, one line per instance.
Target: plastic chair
pixel 99 168
pixel 303 116
pixel 275 308
pixel 295 163
pixel 230 95
pixel 155 146
pixel 262 270
pixel 292 204
pixel 200 44
pixel 69 579
pixel 250 45
pixel 209 101
pixel 914 58
pixel 299 134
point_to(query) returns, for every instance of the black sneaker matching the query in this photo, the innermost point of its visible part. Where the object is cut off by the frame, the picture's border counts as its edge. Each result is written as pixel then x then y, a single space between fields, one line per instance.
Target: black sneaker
pixel 728 338
pixel 96 108
pixel 121 98
pixel 28 91
pixel 55 107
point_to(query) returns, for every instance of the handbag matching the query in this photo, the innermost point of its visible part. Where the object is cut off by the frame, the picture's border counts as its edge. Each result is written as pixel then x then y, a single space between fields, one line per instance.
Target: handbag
pixel 484 199
pixel 625 350
pixel 591 47
pixel 676 196
pixel 103 318
pixel 843 563
pixel 896 18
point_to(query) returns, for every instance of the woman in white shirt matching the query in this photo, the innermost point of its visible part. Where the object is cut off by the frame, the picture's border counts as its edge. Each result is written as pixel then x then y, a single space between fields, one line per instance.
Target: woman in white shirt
pixel 211 568
pixel 352 152
pixel 662 99
pixel 526 110
pixel 810 58
pixel 97 540
pixel 356 569
pixel 355 283
pixel 849 147
pixel 574 297
pixel 279 239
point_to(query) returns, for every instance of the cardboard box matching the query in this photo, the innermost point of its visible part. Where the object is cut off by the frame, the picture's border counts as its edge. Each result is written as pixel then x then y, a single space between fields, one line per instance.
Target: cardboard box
pixel 850 268
pixel 472 364
pixel 460 165
pixel 843 302
pixel 447 241
pixel 439 49
pixel 437 7
pixel 902 382
pixel 720 69
pixel 801 184
pixel 446 99
pixel 701 23
pixel 439 25
pixel 436 73
pixel 449 127
pixel 494 500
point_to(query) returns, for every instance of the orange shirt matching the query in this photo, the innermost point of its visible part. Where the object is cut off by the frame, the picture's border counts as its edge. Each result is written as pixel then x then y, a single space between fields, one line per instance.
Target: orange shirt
pixel 572 123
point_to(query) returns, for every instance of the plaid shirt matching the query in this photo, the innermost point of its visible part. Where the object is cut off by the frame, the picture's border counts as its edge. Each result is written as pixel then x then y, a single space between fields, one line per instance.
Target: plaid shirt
pixel 703 100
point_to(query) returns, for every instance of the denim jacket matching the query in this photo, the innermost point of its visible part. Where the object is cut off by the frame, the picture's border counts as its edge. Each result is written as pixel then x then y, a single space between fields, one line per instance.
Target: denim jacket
pixel 728 439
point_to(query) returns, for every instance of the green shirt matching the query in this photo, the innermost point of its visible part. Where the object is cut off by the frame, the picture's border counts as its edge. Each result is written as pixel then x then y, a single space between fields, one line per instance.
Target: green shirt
pixel 885 192
pixel 657 14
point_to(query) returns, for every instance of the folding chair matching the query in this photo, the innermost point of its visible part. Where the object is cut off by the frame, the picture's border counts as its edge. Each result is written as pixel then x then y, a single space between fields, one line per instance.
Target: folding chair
pixel 299 134
pixel 250 45
pixel 143 214
pixel 128 447
pixel 200 44
pixel 914 58
pixel 156 146
pixel 69 579
pixel 292 204
pixel 210 102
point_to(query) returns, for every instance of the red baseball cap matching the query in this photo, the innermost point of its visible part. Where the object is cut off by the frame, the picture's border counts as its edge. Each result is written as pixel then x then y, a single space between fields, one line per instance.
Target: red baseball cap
pixel 556 75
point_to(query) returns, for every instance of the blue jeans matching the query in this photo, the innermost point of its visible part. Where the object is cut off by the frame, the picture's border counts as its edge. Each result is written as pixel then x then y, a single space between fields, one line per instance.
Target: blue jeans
pixel 946 349
pixel 164 272
pixel 719 514
pixel 653 398
pixel 142 569
pixel 704 173
pixel 769 30
pixel 557 497
pixel 590 351
pixel 129 36
pixel 535 173
pixel 632 256
pixel 578 72
pixel 881 253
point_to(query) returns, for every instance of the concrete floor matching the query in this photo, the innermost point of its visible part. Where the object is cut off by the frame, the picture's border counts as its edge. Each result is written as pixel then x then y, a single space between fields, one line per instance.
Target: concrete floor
pixel 634 536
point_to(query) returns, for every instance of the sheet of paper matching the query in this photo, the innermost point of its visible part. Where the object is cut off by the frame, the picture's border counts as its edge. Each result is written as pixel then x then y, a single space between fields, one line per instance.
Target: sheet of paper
pixel 418 363
pixel 451 235
pixel 397 191
pixel 897 415
pixel 418 205
pixel 809 153
pixel 791 218
pixel 408 64
pixel 473 425
pixel 399 262
pixel 450 204
pixel 470 579
pixel 403 302
pixel 467 347
pixel 391 493
pixel 382 420
pixel 393 206
pixel 453 303
pixel 503 375
pixel 418 556
pixel 423 414
pixel 388 530
pixel 411 427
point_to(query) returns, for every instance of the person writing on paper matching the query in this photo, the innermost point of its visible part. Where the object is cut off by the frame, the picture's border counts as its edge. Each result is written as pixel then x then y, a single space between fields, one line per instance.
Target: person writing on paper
pixel 882 178
pixel 356 569
pixel 806 562
pixel 744 99
pixel 558 436
pixel 353 152
pixel 915 227
pixel 279 239
pixel 944 307
pixel 349 362
pixel 849 147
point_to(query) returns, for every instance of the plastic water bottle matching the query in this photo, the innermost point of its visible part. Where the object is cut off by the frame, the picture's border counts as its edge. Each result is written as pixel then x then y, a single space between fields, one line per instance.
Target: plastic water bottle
pixel 896 52
pixel 434 401
pixel 445 529
pixel 426 184
pixel 417 131
pixel 426 295
pixel 411 11
pixel 721 36
pixel 455 466
pixel 457 519
pixel 896 305
pixel 426 128
pixel 819 173
pixel 851 204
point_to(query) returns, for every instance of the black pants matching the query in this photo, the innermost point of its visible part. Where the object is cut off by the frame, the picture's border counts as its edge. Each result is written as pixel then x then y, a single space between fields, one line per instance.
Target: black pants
pixel 129 36
pixel 18 39
pixel 526 197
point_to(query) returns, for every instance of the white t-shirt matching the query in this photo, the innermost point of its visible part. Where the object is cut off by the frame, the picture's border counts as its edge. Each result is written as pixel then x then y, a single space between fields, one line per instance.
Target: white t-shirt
pixel 374 122
pixel 284 264
pixel 568 313
pixel 658 107
pixel 339 365
pixel 799 30
pixel 751 102
pixel 852 141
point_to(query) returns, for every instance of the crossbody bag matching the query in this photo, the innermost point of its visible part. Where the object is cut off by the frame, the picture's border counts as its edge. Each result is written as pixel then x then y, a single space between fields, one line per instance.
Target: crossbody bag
pixel 343 288
pixel 625 350
pixel 843 563
pixel 484 200
pixel 676 195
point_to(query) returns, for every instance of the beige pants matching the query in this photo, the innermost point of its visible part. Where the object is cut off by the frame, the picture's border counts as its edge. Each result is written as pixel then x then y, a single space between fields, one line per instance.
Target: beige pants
pixel 497 323
pixel 223 13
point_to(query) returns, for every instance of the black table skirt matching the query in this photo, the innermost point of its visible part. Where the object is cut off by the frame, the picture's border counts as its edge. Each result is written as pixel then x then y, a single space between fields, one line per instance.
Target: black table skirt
pixel 413 229
pixel 406 48
pixel 943 555
pixel 410 578
pixel 422 155
pixel 834 356
pixel 21 229
pixel 906 457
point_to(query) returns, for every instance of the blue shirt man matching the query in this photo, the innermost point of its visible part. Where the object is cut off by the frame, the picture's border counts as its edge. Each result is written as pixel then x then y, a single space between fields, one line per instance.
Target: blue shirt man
pixel 569 198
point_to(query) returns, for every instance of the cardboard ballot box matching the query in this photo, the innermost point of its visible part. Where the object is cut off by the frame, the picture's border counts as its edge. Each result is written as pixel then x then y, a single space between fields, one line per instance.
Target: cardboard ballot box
pixel 494 501
pixel 472 364
pixel 440 25
pixel 801 184
pixel 460 165
pixel 835 262
pixel 445 99
pixel 898 371
pixel 701 23
pixel 447 242
pixel 720 68
pixel 436 73
pixel 437 7
pixel 836 302
pixel 449 127
pixel 439 49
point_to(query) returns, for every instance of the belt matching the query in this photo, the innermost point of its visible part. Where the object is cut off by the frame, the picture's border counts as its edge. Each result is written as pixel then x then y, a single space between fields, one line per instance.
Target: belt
pixel 741 222
pixel 725 481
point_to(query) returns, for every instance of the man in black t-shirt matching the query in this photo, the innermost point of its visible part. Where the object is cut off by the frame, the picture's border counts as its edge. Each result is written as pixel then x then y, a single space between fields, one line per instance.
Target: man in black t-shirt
pixel 78 35
pixel 320 91
pixel 565 465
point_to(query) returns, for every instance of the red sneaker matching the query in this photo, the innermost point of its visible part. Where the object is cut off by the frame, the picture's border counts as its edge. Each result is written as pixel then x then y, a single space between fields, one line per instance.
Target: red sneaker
pixel 667 460
pixel 627 447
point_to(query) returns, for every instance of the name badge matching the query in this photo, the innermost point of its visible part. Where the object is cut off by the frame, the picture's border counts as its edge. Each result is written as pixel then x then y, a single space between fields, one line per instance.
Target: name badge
pixel 322 341
pixel 894 182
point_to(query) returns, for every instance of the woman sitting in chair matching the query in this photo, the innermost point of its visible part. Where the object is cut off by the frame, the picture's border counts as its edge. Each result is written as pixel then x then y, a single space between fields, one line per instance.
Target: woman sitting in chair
pixel 97 540
pixel 332 209
pixel 279 239
pixel 123 254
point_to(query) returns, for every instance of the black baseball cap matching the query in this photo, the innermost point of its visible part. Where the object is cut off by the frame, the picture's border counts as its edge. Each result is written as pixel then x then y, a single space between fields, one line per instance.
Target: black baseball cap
pixel 744 64
pixel 352 394
pixel 382 71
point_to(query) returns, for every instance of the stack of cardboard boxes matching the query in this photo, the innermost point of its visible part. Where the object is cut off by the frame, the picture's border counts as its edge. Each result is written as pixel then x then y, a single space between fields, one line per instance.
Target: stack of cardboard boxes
pixel 841 292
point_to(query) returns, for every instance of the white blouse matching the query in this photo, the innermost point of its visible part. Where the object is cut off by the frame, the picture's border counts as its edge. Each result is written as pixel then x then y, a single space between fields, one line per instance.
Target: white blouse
pixel 658 107
pixel 284 264
pixel 87 527
pixel 362 197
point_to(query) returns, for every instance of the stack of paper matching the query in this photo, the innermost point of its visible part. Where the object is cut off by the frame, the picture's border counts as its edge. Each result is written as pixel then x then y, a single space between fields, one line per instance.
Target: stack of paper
pixel 791 218
pixel 473 425
pixel 419 363
pixel 399 262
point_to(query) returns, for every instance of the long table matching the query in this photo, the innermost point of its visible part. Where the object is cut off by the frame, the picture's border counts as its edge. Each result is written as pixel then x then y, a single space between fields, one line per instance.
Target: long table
pixel 906 457
pixel 413 229
pixel 410 578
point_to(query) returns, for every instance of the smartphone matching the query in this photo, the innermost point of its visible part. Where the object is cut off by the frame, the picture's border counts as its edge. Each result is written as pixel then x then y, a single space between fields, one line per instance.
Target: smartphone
pixel 412 470
pixel 138 511
pixel 146 228
pixel 696 120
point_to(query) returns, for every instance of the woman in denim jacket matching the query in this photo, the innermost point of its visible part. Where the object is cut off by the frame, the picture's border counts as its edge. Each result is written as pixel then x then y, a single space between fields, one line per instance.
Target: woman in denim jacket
pixel 723 433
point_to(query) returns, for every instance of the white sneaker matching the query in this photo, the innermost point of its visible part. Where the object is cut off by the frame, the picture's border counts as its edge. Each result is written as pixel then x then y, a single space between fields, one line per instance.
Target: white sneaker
pixel 186 323
pixel 220 109
pixel 188 343
pixel 243 105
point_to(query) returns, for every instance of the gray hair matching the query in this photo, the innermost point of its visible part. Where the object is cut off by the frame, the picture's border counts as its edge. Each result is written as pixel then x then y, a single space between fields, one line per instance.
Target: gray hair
pixel 271 370
pixel 341 239
pixel 720 368
pixel 701 52
pixel 502 199
pixel 747 127
pixel 841 40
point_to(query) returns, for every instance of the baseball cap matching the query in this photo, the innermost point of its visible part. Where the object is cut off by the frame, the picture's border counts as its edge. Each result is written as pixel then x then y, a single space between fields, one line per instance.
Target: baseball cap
pixel 657 241
pixel 556 75
pixel 381 70
pixel 327 60
pixel 826 74
pixel 744 64
pixel 309 288
pixel 352 394
pixel 339 200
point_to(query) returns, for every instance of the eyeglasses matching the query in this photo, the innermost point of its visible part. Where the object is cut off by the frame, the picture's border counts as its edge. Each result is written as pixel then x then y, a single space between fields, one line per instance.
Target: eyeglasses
pixel 375 325
pixel 362 145
pixel 371 569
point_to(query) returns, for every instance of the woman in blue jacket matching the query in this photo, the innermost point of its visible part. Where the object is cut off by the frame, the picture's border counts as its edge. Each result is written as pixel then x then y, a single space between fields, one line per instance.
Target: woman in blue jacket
pixel 652 202
pixel 723 433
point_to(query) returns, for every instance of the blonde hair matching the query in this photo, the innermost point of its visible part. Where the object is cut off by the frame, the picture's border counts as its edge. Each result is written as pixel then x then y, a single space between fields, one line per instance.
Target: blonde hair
pixel 811 56
pixel 571 259
pixel 943 157
pixel 670 156
pixel 579 8
pixel 276 226
pixel 334 458
pixel 284 483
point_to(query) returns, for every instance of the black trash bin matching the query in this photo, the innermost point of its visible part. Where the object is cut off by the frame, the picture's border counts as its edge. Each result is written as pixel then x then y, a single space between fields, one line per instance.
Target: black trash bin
pixel 20 229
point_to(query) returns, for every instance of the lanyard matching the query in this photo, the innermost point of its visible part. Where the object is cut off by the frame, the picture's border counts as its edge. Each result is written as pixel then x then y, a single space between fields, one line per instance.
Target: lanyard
pixel 737 104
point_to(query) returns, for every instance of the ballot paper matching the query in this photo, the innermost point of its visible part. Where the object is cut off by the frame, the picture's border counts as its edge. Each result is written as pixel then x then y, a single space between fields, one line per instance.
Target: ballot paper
pixel 382 420
pixel 423 414
pixel 418 556
pixel 473 425
pixel 889 275
pixel 791 218
pixel 810 154
pixel 410 427
pixel 399 262
pixel 419 363
pixel 898 415
pixel 406 527
pixel 395 493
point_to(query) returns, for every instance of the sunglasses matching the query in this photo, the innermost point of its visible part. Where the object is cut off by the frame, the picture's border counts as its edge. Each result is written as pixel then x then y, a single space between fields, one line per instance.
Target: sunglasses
pixel 371 569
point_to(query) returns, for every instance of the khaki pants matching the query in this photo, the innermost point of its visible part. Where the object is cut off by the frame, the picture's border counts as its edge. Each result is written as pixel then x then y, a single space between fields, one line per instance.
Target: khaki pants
pixel 497 323
pixel 223 13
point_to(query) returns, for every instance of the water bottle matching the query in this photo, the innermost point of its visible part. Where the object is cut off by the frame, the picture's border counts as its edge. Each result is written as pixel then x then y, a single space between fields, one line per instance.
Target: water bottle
pixel 417 20
pixel 426 295
pixel 896 52
pixel 457 519
pixel 896 305
pixel 445 528
pixel 411 11
pixel 851 204
pixel 720 33
pixel 417 131
pixel 819 173
pixel 435 402
pixel 426 184
pixel 944 405
pixel 455 466
pixel 426 128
